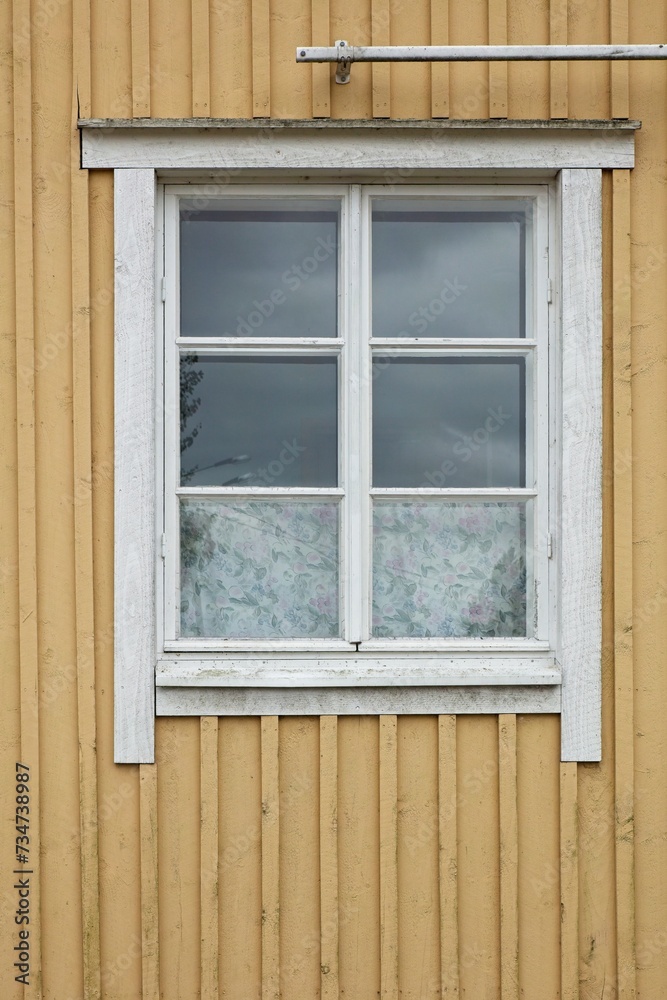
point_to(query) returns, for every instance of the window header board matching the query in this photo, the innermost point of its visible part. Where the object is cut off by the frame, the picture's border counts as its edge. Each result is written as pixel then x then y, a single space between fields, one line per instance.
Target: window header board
pixel 416 146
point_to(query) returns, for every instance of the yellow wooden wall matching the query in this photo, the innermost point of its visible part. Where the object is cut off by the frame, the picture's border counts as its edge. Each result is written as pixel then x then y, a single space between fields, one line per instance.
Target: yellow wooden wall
pixel 303 857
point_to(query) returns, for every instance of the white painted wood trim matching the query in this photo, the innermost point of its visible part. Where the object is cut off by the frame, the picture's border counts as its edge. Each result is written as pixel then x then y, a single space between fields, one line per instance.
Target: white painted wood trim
pixel 581 465
pixel 235 149
pixel 357 701
pixel 355 671
pixel 134 469
pixel 426 152
pixel 329 124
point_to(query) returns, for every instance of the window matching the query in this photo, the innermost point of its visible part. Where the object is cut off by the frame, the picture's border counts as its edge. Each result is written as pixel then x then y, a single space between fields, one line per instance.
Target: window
pixel 358 421
pixel 358 460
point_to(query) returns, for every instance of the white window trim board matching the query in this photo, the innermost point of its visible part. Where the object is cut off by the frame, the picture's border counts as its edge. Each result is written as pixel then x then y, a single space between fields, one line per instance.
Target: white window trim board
pixel 135 641
pixel 136 522
pixel 350 670
pixel 358 701
pixel 580 549
pixel 412 146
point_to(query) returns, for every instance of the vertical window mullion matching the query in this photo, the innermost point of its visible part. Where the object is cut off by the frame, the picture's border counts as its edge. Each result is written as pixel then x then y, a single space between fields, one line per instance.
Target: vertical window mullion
pixel 353 390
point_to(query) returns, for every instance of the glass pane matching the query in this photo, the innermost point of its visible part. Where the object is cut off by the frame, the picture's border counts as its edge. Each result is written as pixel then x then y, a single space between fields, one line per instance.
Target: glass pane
pixel 449 422
pixel 258 569
pixel 259 268
pixel 449 269
pixel 269 421
pixel 449 569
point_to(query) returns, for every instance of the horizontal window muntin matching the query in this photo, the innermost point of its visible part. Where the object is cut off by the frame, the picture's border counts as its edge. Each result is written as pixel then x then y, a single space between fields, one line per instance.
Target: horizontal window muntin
pixel 357 350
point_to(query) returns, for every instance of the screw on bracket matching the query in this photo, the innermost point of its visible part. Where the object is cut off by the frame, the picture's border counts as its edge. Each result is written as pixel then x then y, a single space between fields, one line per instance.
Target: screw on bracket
pixel 343 63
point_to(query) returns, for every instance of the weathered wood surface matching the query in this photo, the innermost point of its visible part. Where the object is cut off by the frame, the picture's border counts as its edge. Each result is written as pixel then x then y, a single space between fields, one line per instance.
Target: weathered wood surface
pixel 134 466
pixel 580 549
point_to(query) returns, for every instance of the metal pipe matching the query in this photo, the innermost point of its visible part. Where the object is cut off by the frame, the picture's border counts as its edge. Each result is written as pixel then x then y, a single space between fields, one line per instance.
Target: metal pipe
pixel 344 55
pixel 341 52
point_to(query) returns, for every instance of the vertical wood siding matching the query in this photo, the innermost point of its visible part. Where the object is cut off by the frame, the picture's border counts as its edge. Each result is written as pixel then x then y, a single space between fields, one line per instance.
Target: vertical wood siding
pixel 298 857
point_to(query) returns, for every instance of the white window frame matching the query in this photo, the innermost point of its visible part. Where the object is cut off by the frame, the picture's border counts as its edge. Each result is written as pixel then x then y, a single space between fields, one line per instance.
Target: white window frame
pixel 326 662
pixel 571 159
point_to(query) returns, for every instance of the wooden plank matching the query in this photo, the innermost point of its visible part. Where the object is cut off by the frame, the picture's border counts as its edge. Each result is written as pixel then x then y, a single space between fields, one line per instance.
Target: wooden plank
pixel 468 81
pixel 569 883
pixel 208 750
pixel 410 83
pixel 82 62
pixel 321 72
pixel 497 70
pixel 406 147
pixel 509 858
pixel 624 725
pixel 141 59
pixel 83 522
pixel 156 123
pixel 201 61
pixel 112 63
pixel 150 940
pixel 478 825
pixel 291 90
pixel 10 674
pixel 329 985
pixel 528 82
pixel 581 507
pixel 558 70
pixel 230 27
pixel 179 840
pixel 620 71
pixel 24 290
pixel 388 858
pixel 261 59
pixel 275 669
pixel 83 563
pixel 448 855
pixel 134 466
pixel 270 860
pixel 538 792
pixel 356 701
pixel 358 852
pixel 299 888
pixel 240 866
pixel 381 72
pixel 588 89
pixel 440 70
pixel 418 942
pixel 171 58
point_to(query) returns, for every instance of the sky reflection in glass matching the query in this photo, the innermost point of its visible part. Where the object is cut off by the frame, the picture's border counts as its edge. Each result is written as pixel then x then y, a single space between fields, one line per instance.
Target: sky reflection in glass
pixel 264 268
pixel 267 421
pixel 448 269
pixel 449 422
